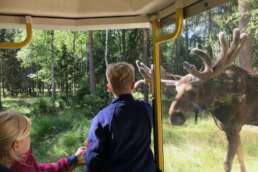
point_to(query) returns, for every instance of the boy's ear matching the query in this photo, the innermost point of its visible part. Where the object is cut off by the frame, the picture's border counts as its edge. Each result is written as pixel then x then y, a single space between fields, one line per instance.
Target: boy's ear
pixel 132 86
pixel 109 88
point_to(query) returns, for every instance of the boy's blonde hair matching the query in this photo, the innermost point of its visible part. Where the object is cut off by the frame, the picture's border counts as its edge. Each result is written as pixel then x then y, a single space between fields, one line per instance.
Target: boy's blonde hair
pixel 14 126
pixel 121 76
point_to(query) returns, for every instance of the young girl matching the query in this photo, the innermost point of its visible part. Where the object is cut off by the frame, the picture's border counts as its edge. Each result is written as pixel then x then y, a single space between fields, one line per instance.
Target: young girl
pixel 15 152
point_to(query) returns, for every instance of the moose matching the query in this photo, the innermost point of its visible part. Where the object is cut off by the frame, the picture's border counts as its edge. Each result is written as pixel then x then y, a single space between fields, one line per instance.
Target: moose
pixel 227 91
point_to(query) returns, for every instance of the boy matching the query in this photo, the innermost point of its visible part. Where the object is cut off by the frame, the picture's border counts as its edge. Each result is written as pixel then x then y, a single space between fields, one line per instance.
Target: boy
pixel 120 134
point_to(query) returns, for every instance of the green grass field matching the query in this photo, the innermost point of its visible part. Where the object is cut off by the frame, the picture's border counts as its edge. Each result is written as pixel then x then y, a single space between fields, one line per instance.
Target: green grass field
pixel 189 148
pixel 201 147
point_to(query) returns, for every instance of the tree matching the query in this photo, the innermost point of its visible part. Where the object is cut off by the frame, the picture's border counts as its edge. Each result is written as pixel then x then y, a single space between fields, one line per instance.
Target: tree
pixel 145 59
pixel 1 83
pixel 53 84
pixel 91 63
pixel 12 77
pixel 106 48
pixel 245 54
pixel 74 67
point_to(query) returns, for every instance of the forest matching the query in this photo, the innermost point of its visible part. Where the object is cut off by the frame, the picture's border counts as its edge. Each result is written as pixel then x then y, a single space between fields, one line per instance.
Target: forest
pixel 58 80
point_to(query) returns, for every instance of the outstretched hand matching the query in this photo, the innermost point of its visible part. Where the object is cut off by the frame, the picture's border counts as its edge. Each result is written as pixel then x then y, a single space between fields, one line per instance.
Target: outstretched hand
pixel 79 154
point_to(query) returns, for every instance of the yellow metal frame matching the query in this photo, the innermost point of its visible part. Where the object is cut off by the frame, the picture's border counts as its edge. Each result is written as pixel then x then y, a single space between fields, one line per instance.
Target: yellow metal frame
pixel 13 45
pixel 157 39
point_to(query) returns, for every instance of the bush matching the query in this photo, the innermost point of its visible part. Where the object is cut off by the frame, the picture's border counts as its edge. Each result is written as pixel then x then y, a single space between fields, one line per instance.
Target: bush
pixel 50 125
pixel 43 105
pixel 92 104
pixel 42 127
pixel 83 90
pixel 61 103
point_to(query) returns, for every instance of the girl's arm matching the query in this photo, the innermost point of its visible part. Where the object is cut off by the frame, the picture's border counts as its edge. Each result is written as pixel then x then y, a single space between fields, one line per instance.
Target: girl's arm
pixel 63 165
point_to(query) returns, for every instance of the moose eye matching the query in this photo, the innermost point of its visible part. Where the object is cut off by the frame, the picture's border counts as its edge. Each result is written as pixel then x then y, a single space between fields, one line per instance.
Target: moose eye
pixel 191 94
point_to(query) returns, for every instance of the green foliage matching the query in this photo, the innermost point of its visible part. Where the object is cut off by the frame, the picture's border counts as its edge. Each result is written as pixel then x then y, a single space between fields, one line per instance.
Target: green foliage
pixel 138 95
pixel 46 126
pixel 44 105
pixel 58 136
pixel 92 104
pixel 18 104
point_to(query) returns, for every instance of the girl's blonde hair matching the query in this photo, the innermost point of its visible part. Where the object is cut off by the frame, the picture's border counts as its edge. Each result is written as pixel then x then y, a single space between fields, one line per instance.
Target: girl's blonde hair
pixel 14 126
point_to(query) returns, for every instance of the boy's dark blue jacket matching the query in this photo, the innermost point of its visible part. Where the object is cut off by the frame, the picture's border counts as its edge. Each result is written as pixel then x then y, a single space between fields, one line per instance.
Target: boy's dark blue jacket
pixel 119 138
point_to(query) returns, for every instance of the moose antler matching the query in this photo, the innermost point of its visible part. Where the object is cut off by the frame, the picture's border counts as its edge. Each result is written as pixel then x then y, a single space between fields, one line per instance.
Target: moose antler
pixel 147 74
pixel 226 56
pixel 145 71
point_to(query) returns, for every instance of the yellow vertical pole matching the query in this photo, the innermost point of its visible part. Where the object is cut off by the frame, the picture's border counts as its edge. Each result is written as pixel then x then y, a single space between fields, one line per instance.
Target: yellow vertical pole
pixel 158 132
pixel 157 103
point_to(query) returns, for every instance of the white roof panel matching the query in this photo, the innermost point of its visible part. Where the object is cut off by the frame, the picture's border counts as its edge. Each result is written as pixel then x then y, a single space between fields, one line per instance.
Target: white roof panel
pixel 92 14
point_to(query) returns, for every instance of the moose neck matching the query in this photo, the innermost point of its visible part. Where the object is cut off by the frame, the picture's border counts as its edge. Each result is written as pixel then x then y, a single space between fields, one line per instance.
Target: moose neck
pixel 232 90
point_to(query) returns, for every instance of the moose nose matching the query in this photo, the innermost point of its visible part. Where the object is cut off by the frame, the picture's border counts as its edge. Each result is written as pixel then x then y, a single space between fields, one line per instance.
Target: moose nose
pixel 177 118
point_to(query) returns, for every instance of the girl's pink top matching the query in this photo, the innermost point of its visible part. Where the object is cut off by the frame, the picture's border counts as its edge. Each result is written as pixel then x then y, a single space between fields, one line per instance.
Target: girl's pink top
pixel 31 165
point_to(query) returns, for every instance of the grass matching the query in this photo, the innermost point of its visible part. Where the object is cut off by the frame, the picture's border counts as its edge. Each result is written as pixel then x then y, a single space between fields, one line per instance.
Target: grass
pixel 188 148
pixel 18 104
pixel 201 147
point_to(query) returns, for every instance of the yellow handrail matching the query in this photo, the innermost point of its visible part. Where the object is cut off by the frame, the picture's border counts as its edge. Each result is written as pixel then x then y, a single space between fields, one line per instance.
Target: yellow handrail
pixel 157 39
pixel 158 139
pixel 13 45
pixel 178 31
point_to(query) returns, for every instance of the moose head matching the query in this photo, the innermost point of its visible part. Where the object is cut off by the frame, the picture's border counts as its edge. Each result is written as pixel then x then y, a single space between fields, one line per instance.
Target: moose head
pixel 189 88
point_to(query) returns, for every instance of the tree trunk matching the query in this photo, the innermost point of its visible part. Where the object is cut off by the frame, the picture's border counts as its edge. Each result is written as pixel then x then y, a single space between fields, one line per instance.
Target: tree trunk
pixel 145 59
pixel 209 23
pixel 91 63
pixel 74 55
pixel 43 90
pixel 106 49
pixel 3 86
pixel 186 34
pixel 81 60
pixel 1 83
pixel 53 85
pixel 209 42
pixel 124 55
pixel 245 54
